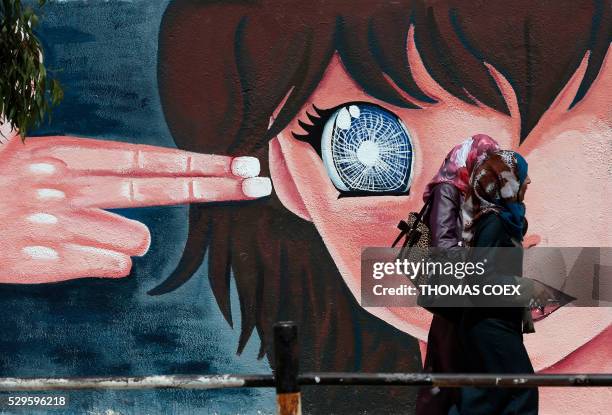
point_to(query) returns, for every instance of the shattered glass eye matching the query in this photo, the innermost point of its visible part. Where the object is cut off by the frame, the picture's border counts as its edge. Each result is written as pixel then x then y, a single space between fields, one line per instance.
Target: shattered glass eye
pixel 367 149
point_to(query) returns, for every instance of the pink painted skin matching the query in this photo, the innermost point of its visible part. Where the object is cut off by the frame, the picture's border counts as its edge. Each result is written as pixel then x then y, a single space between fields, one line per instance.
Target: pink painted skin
pixel 54 189
pixel 568 203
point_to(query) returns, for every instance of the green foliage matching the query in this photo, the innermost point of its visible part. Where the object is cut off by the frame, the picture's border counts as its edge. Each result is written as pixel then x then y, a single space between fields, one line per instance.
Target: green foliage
pixel 27 93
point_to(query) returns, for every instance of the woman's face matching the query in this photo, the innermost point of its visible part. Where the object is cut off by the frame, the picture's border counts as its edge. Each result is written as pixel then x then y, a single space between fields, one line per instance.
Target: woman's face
pixel 523 189
pixel 565 153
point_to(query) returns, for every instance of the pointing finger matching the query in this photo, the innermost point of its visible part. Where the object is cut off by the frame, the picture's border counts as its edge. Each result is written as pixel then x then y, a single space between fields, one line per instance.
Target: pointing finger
pixel 117 192
pixel 108 157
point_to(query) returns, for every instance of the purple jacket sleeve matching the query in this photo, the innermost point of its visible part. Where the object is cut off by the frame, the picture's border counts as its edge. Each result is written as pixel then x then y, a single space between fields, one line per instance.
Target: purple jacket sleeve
pixel 444 216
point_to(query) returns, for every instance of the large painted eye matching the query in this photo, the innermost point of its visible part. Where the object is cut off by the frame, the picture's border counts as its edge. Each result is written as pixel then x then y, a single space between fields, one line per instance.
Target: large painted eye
pixel 367 149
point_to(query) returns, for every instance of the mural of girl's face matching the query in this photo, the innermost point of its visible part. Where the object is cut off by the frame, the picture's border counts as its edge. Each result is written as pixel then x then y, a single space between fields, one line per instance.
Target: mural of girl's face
pixel 571 186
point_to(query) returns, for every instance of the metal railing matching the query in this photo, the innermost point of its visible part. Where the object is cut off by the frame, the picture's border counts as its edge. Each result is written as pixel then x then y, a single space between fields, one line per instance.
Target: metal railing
pixel 287 378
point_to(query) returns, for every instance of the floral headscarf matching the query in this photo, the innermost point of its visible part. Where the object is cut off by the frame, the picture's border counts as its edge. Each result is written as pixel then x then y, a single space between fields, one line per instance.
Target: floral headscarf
pixel 494 187
pixel 460 161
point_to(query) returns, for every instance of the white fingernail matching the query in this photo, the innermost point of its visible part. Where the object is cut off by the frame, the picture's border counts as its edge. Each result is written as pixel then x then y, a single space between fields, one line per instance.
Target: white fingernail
pixel 257 187
pixel 245 166
pixel 42 168
pixel 42 218
pixel 40 252
pixel 50 194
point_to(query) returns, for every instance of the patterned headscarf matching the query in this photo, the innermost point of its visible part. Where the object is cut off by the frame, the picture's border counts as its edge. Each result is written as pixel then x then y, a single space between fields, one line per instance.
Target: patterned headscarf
pixel 494 187
pixel 460 161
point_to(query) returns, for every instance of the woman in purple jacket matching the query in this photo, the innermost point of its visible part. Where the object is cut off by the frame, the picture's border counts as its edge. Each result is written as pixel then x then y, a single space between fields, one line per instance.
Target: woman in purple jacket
pixel 445 194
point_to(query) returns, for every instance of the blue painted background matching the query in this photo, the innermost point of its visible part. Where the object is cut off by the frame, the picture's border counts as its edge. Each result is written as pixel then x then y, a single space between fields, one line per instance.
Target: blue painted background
pixel 104 54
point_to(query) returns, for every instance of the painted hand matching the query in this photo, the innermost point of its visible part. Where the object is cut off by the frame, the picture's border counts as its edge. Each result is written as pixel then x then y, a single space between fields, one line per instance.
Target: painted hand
pixel 53 190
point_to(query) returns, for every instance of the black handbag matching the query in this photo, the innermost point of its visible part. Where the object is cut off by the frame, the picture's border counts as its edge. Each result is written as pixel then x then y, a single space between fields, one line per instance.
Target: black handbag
pixel 416 234
pixel 415 248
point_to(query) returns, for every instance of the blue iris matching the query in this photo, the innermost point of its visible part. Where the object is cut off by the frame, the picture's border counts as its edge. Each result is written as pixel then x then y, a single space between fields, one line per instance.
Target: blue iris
pixel 366 148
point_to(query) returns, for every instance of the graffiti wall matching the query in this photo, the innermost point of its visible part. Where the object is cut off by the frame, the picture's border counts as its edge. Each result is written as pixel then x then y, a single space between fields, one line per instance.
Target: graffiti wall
pixel 209 173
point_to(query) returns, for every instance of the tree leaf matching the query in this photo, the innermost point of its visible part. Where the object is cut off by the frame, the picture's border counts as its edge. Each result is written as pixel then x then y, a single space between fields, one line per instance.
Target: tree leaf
pixel 27 93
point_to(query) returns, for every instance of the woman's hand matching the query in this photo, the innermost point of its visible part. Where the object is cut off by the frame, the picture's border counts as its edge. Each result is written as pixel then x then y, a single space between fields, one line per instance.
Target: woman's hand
pixel 53 190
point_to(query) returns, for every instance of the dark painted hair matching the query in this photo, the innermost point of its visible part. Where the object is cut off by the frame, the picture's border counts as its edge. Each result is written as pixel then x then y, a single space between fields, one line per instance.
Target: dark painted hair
pixel 225 66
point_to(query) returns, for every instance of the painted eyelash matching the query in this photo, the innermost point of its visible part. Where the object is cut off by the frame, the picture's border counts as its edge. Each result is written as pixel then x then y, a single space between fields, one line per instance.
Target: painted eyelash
pixel 314 130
